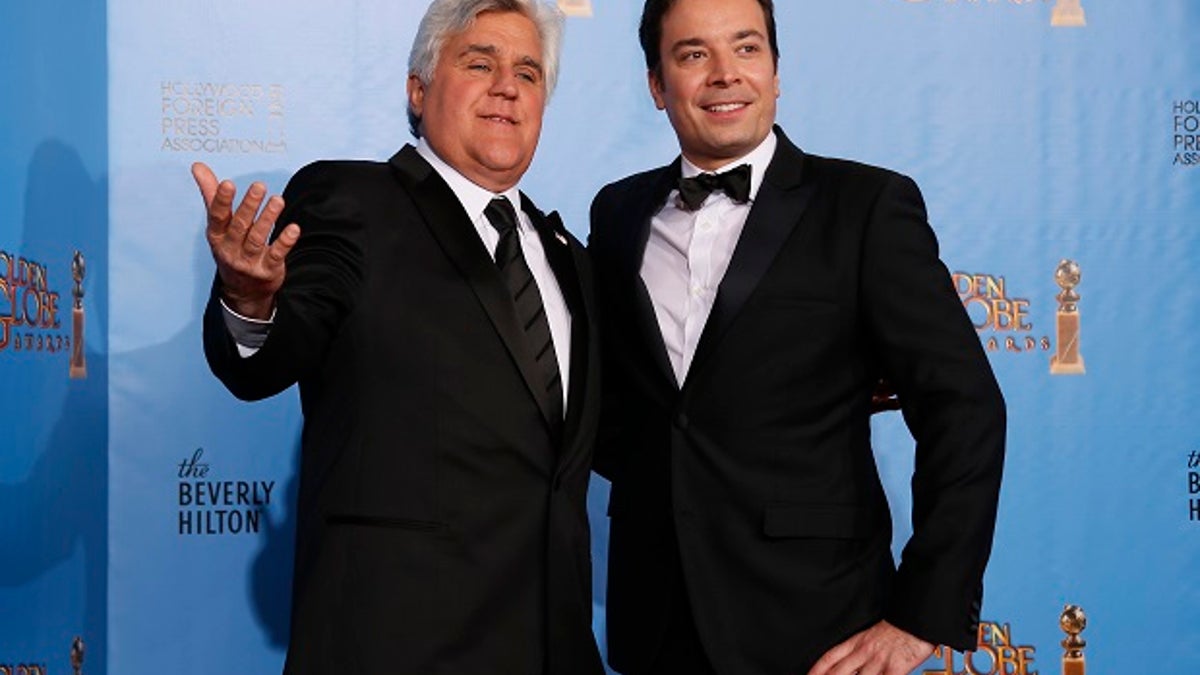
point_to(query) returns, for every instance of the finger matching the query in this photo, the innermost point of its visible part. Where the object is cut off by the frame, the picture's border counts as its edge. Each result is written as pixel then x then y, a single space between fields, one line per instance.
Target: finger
pixel 282 245
pixel 206 180
pixel 260 232
pixel 243 217
pixel 220 209
pixel 827 662
pixel 217 196
pixel 855 664
pixel 850 666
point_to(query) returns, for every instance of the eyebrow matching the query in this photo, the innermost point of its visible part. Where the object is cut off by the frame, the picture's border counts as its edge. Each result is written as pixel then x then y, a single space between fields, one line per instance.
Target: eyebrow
pixel 490 50
pixel 700 42
pixel 494 52
pixel 688 42
pixel 748 33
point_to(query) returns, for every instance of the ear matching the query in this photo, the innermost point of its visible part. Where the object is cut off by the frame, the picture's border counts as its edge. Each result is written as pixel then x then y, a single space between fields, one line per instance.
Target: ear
pixel 416 94
pixel 777 84
pixel 656 89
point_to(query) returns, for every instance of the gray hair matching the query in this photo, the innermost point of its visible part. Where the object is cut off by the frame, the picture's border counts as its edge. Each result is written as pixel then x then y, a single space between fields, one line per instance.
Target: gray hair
pixel 446 18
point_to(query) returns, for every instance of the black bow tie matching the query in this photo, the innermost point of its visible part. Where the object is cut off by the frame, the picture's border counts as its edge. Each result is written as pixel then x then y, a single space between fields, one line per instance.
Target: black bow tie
pixel 735 183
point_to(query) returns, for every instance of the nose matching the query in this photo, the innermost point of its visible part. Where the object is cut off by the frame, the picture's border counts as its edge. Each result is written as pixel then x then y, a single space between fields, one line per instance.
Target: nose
pixel 723 70
pixel 504 83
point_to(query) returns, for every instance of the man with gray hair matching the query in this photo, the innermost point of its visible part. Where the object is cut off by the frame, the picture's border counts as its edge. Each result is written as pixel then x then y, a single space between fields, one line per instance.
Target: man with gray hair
pixel 441 330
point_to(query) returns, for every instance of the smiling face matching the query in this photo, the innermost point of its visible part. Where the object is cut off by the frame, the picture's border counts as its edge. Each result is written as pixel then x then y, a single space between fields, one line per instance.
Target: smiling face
pixel 717 80
pixel 481 112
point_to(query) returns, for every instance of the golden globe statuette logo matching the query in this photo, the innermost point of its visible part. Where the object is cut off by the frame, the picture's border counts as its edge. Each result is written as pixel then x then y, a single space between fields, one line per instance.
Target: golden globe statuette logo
pixel 1067 360
pixel 995 653
pixel 78 369
pixel 1068 14
pixel 575 7
pixel 77 650
pixel 1073 621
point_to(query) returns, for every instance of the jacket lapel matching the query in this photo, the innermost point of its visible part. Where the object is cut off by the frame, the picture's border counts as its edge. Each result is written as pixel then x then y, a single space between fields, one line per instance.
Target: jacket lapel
pixel 557 247
pixel 641 212
pixel 777 209
pixel 568 261
pixel 448 222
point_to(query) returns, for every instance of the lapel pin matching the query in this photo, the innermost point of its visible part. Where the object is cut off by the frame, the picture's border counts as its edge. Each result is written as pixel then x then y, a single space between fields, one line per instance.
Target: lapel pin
pixel 561 239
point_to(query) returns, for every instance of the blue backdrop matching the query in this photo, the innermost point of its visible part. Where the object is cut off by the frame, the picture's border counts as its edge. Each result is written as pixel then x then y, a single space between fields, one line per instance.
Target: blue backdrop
pixel 1033 143
pixel 54 482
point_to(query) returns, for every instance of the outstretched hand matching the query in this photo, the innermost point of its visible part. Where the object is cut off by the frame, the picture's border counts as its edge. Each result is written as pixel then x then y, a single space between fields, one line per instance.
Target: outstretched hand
pixel 251 271
pixel 882 649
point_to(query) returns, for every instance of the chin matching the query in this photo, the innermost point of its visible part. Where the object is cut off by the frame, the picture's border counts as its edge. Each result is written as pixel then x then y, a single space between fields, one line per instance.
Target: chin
pixel 502 163
pixel 509 157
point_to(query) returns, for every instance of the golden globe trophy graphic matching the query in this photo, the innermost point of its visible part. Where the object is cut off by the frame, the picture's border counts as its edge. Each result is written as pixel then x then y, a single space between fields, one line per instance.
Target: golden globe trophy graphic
pixel 78 364
pixel 1068 14
pixel 1073 621
pixel 1067 360
pixel 576 7
pixel 77 655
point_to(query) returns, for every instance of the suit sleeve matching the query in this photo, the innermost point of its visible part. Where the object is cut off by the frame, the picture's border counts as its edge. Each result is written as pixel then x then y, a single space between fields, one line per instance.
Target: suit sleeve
pixel 603 458
pixel 324 271
pixel 953 407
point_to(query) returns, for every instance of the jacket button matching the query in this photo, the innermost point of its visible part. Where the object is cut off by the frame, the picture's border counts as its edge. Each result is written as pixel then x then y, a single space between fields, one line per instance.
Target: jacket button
pixel 681 421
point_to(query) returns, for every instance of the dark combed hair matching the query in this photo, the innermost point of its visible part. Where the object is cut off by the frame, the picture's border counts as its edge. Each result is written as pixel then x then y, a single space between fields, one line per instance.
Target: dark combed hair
pixel 650 30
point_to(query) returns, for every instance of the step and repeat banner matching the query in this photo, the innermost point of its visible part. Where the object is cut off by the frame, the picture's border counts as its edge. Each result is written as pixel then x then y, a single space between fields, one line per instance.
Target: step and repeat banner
pixel 54 298
pixel 146 516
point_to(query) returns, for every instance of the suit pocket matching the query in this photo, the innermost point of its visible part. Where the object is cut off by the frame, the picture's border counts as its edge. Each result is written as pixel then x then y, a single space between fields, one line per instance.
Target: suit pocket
pixel 817 521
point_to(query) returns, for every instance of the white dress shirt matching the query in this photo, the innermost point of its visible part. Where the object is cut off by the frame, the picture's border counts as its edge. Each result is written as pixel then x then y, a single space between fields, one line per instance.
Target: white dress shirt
pixel 250 334
pixel 688 253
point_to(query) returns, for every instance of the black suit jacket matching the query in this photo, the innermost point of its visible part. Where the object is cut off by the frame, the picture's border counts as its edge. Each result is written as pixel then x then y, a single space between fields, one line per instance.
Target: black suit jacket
pixel 755 479
pixel 442 524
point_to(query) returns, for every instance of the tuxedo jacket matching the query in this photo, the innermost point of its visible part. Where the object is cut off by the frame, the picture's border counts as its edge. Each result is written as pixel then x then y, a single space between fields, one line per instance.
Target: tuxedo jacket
pixel 442 523
pixel 754 479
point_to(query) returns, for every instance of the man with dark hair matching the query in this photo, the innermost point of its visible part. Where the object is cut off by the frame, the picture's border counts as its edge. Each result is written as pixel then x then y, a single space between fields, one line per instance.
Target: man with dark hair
pixel 441 330
pixel 752 296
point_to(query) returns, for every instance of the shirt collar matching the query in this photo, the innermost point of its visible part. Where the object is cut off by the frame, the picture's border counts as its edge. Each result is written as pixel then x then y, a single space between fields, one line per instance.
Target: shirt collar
pixel 474 199
pixel 758 159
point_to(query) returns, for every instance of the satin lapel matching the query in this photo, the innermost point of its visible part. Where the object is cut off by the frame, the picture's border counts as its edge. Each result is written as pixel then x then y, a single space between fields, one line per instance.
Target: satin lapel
pixel 641 212
pixel 567 259
pixel 557 247
pixel 556 244
pixel 777 209
pixel 582 400
pixel 449 224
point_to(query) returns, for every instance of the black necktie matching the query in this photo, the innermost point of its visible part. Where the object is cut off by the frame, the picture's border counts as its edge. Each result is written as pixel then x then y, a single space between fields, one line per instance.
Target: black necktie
pixel 735 183
pixel 530 311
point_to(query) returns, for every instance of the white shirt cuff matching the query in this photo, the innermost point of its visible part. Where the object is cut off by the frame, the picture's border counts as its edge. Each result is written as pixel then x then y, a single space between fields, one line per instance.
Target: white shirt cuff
pixel 248 333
